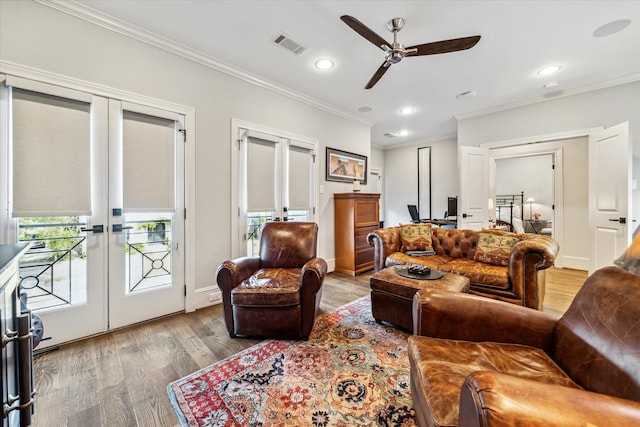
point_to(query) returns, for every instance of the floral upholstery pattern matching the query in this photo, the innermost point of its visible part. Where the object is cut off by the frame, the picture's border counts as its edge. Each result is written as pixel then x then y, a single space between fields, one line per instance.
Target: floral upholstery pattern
pixel 416 237
pixel 494 248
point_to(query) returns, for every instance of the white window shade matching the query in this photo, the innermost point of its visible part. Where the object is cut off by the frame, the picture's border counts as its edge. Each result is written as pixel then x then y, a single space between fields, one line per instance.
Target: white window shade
pixel 51 147
pixel 300 169
pixel 261 175
pixel 149 146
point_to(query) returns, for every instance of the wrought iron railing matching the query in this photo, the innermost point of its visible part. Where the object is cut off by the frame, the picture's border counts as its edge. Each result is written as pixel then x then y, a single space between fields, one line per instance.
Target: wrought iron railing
pixel 53 271
pixel 148 249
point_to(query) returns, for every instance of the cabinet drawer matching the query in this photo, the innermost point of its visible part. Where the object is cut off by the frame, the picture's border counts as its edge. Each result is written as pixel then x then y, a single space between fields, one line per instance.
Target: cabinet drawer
pixel 364 256
pixel 366 213
pixel 360 237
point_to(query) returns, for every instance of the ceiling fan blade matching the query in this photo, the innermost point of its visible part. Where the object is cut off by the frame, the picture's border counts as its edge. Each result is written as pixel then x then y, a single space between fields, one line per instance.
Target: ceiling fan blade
pixel 364 31
pixel 378 74
pixel 444 46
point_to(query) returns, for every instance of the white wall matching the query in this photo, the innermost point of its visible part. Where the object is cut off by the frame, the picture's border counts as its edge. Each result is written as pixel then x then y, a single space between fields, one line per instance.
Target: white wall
pixel 37 36
pixel 401 179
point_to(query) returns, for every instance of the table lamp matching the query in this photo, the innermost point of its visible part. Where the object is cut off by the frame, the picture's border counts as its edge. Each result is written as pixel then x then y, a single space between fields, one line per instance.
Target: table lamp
pixel 530 200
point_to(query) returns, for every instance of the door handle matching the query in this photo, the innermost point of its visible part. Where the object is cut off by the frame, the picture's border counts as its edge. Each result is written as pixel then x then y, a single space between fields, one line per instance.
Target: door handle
pixel 621 220
pixel 464 215
pixel 95 229
pixel 116 228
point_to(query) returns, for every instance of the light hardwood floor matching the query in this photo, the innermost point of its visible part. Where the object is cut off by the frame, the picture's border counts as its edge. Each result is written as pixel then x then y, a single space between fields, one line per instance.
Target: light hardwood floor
pixel 119 379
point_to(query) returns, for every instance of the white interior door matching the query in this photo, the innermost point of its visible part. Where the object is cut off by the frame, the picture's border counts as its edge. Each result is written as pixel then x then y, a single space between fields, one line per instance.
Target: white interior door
pixel 473 210
pixel 609 195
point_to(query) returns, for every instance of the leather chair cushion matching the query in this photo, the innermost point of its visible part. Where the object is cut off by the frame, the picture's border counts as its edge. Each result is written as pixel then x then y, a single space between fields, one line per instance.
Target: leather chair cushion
pixel 489 276
pixel 440 366
pixel 269 287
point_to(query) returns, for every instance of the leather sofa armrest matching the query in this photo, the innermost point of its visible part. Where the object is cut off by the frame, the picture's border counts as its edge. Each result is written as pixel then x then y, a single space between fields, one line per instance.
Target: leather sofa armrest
pixel 544 246
pixel 450 315
pixel 496 399
pixel 232 272
pixel 313 273
pixel 385 242
pixel 529 257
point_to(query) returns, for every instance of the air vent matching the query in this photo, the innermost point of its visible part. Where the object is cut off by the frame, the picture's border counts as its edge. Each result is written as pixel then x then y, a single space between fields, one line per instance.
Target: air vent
pixel 289 44
pixel 390 135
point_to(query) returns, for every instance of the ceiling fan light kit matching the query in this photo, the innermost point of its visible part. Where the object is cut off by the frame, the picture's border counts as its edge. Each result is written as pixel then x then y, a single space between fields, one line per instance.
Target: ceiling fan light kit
pixel 396 52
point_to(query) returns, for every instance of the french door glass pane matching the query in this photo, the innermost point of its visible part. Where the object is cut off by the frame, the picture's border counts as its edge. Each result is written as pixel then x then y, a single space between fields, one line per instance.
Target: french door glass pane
pixel 300 215
pixel 255 223
pixel 148 251
pixel 54 271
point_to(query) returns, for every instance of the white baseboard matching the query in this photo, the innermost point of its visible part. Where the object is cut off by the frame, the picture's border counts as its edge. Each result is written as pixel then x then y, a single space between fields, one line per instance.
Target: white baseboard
pixel 576 263
pixel 331 265
pixel 205 297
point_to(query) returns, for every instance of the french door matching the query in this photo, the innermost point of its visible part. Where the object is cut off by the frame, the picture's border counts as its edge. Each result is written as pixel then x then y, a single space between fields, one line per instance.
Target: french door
pixel 96 185
pixel 276 182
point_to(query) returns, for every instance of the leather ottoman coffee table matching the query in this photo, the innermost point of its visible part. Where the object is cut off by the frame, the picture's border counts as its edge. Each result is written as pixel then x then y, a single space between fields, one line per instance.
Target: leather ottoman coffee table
pixel 392 294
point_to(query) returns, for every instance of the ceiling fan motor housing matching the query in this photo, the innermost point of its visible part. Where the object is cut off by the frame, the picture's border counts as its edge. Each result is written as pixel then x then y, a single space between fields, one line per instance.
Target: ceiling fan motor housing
pixel 395 55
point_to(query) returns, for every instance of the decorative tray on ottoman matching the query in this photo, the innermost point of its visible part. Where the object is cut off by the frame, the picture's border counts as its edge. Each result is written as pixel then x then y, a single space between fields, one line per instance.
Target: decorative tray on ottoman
pixel 419 272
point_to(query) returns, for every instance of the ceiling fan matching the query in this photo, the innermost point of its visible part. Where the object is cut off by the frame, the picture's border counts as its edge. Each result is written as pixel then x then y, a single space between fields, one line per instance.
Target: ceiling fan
pixel 395 52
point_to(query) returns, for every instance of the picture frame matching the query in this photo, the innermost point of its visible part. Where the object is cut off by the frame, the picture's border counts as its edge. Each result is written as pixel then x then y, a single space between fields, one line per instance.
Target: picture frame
pixel 342 166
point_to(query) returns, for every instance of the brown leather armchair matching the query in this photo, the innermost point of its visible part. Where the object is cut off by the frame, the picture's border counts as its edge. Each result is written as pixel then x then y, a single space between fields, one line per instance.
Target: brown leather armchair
pixel 481 362
pixel 278 293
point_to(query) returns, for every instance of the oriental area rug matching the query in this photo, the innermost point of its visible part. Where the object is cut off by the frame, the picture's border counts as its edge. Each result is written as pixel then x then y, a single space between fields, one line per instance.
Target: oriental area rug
pixel 351 372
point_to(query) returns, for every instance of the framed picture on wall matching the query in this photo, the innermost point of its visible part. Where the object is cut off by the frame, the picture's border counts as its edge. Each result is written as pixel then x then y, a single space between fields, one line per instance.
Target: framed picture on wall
pixel 343 166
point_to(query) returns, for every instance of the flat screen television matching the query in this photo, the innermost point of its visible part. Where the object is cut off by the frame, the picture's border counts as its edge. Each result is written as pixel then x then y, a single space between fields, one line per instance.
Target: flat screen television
pixel 452 206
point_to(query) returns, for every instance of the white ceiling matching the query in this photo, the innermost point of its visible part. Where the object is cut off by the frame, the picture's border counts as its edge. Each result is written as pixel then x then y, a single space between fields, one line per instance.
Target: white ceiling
pixel 518 38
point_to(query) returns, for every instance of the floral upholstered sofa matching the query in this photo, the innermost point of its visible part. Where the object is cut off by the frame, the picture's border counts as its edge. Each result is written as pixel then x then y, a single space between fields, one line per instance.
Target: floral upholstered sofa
pixel 500 265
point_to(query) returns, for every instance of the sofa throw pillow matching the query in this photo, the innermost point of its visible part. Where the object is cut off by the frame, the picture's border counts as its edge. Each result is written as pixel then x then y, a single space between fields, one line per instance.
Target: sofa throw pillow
pixel 416 237
pixel 494 248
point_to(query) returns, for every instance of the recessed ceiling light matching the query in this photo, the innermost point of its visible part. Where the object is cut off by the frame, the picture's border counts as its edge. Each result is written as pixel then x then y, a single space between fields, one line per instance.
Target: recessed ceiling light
pixel 365 109
pixel 611 28
pixel 550 85
pixel 549 70
pixel 324 64
pixel 408 110
pixel 403 132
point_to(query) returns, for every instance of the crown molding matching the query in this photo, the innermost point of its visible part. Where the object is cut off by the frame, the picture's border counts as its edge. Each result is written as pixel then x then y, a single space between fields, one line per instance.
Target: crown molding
pixel 23 71
pixel 417 142
pixel 570 92
pixel 71 7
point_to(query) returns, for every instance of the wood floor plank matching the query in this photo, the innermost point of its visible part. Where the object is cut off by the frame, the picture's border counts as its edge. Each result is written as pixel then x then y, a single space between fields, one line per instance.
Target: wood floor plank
pixel 116 408
pixel 120 378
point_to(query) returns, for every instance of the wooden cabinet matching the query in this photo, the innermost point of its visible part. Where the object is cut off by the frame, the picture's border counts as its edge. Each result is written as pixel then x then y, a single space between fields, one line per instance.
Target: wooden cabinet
pixel 355 216
pixel 17 345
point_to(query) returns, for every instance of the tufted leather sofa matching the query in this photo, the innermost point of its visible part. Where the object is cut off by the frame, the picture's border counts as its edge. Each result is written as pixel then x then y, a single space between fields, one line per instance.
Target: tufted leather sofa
pixel 522 282
pixel 479 362
pixel 276 294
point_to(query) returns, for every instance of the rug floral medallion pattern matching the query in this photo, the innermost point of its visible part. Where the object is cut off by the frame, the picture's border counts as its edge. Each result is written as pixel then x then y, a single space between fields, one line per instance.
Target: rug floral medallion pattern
pixel 351 372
